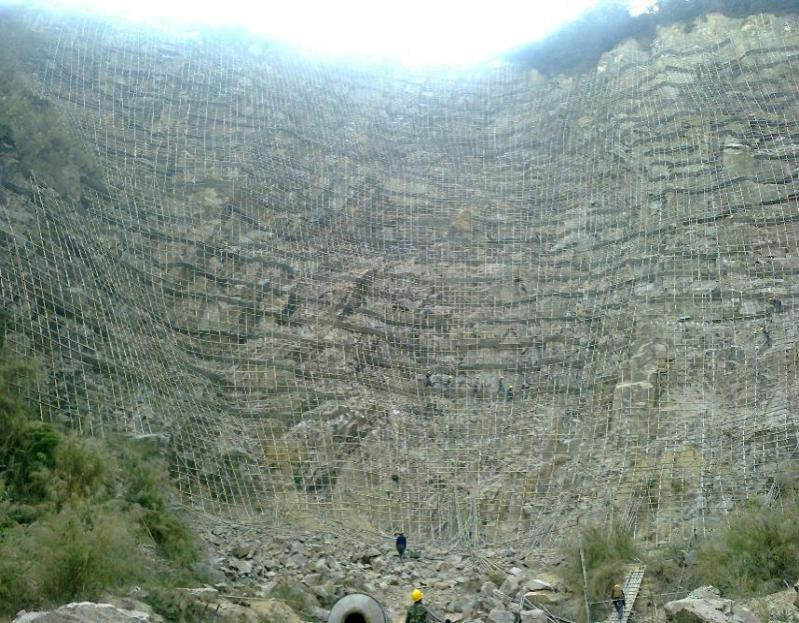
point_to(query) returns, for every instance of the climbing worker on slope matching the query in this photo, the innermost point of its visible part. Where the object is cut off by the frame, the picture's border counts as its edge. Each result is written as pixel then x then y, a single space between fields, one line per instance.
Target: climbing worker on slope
pixel 617 596
pixel 401 543
pixel 417 613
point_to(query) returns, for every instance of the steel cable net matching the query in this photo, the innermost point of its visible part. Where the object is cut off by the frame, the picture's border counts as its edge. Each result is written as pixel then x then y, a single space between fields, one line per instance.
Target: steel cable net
pixel 473 306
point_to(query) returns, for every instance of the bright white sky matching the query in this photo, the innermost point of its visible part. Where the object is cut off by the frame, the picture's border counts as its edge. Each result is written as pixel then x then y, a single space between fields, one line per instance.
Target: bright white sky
pixel 410 32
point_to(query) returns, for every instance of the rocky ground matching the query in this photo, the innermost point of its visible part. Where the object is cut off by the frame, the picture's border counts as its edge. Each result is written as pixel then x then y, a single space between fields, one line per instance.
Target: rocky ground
pixel 291 577
pixel 286 578
pixel 311 571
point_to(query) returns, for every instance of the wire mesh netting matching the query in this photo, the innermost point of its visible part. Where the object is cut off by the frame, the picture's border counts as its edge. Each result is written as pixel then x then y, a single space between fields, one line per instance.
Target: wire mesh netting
pixel 474 305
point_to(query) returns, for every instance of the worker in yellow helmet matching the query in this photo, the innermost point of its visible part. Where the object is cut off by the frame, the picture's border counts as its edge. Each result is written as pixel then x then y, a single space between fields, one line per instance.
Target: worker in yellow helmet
pixel 417 613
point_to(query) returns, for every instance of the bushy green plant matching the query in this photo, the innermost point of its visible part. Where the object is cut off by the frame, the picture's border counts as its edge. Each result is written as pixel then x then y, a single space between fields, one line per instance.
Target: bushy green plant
pixel 74 514
pixel 82 470
pixel 667 566
pixel 77 553
pixel 26 448
pixel 145 489
pixel 81 552
pixel 753 553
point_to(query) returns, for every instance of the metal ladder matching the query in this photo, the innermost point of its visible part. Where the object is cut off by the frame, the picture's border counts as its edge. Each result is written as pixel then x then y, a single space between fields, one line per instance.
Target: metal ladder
pixel 631 587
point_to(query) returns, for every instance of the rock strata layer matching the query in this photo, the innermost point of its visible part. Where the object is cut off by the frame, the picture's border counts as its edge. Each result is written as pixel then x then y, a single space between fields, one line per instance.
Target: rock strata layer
pixel 473 306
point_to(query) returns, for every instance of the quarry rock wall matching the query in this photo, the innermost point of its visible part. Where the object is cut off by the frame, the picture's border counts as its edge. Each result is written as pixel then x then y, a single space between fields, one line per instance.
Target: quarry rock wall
pixel 477 306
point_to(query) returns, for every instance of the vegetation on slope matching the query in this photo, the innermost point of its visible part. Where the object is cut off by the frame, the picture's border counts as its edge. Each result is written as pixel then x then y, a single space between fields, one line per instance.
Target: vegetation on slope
pixel 79 517
pixel 753 550
pixel 31 128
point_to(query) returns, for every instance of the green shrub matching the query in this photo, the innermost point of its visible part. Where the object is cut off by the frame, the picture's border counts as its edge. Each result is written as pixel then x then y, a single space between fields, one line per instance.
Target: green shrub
pixel 172 536
pixel 26 448
pixel 77 553
pixel 75 513
pixel 753 553
pixel 667 566
pixel 145 489
pixel 83 552
pixel 82 470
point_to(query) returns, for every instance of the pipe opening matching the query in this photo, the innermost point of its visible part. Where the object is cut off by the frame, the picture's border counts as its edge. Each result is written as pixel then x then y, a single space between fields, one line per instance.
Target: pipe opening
pixel 355 617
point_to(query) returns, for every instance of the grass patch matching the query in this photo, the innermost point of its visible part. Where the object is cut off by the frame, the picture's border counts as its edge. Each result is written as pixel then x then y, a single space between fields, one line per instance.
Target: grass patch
pixel 753 553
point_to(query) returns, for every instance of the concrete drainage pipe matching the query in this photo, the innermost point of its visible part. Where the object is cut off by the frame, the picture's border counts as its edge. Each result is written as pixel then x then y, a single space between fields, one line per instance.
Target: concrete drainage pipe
pixel 357 608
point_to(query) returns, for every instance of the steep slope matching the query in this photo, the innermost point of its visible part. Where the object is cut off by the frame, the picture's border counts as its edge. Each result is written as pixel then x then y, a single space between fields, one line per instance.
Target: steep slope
pixel 318 283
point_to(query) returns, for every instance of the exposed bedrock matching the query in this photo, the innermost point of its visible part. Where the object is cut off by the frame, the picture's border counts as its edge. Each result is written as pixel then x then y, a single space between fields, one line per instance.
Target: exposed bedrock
pixel 473 306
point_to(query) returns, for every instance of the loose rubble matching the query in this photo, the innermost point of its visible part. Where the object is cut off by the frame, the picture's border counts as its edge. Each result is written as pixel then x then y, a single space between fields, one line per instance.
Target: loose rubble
pixel 310 571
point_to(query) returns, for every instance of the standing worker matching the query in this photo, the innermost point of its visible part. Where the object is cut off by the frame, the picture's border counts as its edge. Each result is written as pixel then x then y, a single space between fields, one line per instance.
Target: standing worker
pixel 617 596
pixel 417 613
pixel 402 543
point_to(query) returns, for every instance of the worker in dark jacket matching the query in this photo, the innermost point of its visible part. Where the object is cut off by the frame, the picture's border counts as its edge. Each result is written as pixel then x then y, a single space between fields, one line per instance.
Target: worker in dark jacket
pixel 402 543
pixel 619 601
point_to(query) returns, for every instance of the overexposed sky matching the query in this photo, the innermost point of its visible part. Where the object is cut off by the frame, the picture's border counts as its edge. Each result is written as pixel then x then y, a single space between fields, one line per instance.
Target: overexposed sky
pixel 409 32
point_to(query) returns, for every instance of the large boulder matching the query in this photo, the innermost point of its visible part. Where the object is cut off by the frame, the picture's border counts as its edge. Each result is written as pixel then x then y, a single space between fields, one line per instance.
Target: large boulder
pixel 275 611
pixel 691 610
pixel 708 609
pixel 86 612
pixel 499 615
pixel 544 598
pixel 535 615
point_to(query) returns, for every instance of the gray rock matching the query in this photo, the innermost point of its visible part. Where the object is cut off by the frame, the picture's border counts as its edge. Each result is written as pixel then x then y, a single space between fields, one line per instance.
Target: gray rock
pixel 700 611
pixel 85 612
pixel 296 561
pixel 705 592
pixel 497 615
pixel 207 571
pixel 511 584
pixel 538 585
pixel 241 567
pixel 543 597
pixel 488 588
pixel 297 547
pixel 242 550
pixel 323 591
pixel 367 555
pixel 744 614
pixel 535 615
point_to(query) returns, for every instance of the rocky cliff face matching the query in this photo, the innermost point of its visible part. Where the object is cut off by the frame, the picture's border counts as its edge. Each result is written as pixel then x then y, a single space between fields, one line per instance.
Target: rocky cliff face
pixel 475 306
